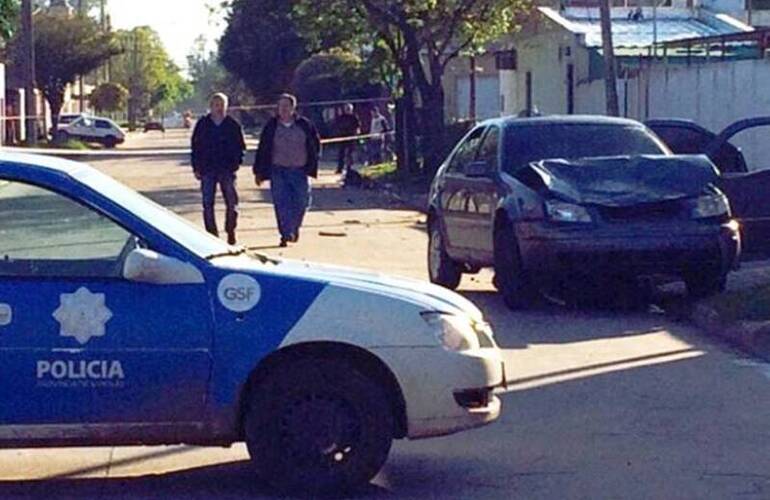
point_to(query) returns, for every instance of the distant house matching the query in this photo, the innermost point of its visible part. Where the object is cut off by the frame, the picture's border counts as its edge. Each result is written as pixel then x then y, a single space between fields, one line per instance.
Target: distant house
pixel 462 74
pixel 559 60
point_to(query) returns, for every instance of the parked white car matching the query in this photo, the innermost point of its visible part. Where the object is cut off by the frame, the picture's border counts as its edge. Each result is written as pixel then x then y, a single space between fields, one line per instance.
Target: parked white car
pixel 93 129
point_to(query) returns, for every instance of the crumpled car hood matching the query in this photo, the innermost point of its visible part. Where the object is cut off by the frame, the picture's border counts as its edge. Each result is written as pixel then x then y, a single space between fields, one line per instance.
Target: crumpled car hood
pixel 622 181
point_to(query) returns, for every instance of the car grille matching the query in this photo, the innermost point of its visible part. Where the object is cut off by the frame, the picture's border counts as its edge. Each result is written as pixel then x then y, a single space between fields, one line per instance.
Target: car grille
pixel 646 212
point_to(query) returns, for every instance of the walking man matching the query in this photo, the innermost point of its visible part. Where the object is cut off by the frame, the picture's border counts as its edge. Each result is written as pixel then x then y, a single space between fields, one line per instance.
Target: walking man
pixel 288 153
pixel 217 153
pixel 346 125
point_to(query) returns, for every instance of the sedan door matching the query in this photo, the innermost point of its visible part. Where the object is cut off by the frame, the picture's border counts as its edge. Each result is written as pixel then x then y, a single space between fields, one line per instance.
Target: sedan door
pixel 454 195
pixel 746 185
pixel 84 352
pixel 483 194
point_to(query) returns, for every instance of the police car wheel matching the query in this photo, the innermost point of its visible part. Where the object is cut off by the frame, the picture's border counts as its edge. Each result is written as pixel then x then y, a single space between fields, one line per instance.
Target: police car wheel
pixel 318 426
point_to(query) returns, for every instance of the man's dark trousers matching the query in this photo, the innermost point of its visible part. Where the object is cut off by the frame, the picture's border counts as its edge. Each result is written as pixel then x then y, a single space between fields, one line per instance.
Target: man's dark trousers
pixel 227 184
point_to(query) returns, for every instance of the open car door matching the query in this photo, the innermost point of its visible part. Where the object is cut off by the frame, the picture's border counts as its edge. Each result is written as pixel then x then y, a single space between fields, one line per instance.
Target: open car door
pixel 746 184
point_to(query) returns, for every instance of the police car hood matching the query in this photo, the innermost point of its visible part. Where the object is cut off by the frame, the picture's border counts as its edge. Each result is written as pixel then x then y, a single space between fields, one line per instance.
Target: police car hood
pixel 426 295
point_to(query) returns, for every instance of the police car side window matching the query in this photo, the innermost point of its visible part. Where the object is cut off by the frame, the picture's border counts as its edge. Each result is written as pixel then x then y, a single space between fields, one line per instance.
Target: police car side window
pixel 43 233
pixel 103 124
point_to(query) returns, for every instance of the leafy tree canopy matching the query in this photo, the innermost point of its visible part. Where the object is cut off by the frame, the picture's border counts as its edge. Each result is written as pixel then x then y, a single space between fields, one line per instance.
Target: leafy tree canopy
pixel 66 48
pixel 261 45
pixel 109 97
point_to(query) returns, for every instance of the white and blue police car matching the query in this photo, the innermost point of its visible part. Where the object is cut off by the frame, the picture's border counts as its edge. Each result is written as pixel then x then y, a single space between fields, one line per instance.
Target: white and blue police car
pixel 121 323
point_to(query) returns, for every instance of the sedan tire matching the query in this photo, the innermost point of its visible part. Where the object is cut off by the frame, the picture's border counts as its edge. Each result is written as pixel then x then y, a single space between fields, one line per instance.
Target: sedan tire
pixel 318 426
pixel 512 281
pixel 442 269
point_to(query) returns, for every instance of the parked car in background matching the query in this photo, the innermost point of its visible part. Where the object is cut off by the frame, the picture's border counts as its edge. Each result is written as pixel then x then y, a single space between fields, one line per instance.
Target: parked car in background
pixel 154 125
pixel 65 120
pixel 581 198
pixel 746 183
pixel 93 129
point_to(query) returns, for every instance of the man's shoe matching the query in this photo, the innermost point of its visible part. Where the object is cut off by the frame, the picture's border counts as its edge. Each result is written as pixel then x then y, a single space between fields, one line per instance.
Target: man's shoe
pixel 294 237
pixel 283 243
pixel 231 239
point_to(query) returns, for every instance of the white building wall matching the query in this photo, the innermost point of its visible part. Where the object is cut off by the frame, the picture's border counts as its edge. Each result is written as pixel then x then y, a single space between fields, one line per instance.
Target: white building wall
pixel 546 56
pixel 713 95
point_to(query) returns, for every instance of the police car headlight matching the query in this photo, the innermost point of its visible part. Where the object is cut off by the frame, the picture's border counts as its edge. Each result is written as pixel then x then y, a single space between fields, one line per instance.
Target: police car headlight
pixel 455 333
pixel 710 205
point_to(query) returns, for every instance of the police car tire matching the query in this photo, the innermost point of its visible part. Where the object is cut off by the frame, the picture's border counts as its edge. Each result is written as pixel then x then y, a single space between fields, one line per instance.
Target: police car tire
pixel 275 422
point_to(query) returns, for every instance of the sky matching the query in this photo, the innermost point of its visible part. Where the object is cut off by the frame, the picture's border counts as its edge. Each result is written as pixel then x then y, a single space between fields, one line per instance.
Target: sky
pixel 179 22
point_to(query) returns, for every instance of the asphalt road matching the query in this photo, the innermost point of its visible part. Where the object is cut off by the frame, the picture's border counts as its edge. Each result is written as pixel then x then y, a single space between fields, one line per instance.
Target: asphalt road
pixel 604 403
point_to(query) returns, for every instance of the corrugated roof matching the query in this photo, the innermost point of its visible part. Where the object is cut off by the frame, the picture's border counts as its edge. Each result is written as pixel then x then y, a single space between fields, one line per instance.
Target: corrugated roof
pixel 628 33
pixel 641 33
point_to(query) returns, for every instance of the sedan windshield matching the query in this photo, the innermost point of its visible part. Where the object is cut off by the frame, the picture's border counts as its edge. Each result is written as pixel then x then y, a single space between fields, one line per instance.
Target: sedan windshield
pixel 525 144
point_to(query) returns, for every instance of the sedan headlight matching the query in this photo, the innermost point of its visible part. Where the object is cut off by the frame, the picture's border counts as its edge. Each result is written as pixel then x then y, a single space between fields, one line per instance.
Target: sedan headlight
pixel 559 211
pixel 710 205
pixel 454 333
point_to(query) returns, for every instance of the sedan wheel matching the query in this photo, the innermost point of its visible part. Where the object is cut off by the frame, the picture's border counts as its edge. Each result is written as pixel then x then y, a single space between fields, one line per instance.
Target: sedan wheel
pixel 511 279
pixel 441 268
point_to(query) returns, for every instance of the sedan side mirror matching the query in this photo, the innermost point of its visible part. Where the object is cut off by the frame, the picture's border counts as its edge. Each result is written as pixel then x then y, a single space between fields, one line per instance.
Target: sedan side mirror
pixel 146 266
pixel 480 168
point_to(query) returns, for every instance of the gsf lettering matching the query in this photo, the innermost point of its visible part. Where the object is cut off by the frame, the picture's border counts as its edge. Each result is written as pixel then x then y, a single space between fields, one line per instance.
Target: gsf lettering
pixel 243 293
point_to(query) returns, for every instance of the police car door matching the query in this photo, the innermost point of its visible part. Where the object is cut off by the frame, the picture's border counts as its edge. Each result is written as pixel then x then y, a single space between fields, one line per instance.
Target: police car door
pixel 80 344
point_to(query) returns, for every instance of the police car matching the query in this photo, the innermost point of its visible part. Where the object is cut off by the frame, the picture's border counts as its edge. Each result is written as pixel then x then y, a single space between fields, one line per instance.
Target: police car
pixel 121 323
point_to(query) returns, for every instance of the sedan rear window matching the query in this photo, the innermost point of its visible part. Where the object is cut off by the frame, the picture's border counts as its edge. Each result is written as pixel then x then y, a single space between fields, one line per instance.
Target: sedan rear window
pixel 525 144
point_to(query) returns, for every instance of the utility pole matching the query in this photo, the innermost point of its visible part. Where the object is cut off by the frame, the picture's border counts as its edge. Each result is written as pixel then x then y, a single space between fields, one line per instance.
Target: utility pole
pixel 610 77
pixel 472 90
pixel 28 37
pixel 81 80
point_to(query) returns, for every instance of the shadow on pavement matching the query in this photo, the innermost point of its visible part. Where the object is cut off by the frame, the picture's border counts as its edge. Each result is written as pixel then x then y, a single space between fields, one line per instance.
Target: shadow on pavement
pixel 227 480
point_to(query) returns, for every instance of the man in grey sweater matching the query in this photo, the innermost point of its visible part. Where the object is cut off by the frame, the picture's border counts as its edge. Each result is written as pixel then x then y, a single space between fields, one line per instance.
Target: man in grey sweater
pixel 288 153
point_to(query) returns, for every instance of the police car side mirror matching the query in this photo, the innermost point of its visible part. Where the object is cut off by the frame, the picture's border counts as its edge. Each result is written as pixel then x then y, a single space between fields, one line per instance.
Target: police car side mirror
pixel 146 266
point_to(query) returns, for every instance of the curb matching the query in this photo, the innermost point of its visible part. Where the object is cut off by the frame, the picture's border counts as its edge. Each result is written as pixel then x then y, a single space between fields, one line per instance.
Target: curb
pixel 752 337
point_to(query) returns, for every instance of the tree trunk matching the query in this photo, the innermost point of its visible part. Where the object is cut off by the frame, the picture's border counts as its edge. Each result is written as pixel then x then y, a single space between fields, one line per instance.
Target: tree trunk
pixel 610 78
pixel 433 127
pixel 55 100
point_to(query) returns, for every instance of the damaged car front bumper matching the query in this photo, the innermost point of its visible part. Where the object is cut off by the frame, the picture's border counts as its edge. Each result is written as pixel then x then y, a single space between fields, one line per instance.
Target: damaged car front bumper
pixel 629 249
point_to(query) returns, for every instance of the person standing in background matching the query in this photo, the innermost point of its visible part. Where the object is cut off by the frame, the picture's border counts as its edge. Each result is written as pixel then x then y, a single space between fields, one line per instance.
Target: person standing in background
pixel 217 153
pixel 288 154
pixel 378 128
pixel 346 125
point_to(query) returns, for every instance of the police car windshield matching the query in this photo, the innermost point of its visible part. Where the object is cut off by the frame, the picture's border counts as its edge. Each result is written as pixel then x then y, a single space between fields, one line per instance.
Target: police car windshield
pixel 175 227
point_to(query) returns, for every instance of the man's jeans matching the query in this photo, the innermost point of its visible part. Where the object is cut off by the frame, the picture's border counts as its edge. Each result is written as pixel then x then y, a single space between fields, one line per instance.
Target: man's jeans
pixel 226 182
pixel 291 197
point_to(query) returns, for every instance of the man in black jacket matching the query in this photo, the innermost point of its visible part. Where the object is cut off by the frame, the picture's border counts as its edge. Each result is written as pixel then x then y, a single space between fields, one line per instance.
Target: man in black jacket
pixel 217 153
pixel 288 153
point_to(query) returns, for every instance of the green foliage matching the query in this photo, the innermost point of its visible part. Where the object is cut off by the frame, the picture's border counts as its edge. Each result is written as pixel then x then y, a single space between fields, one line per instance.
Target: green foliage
pixel 109 97
pixel 207 76
pixel 66 48
pixel 144 67
pixel 9 19
pixel 329 76
pixel 262 46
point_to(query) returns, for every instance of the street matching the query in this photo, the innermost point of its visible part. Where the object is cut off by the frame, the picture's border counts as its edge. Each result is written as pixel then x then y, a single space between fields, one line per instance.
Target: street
pixel 602 403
